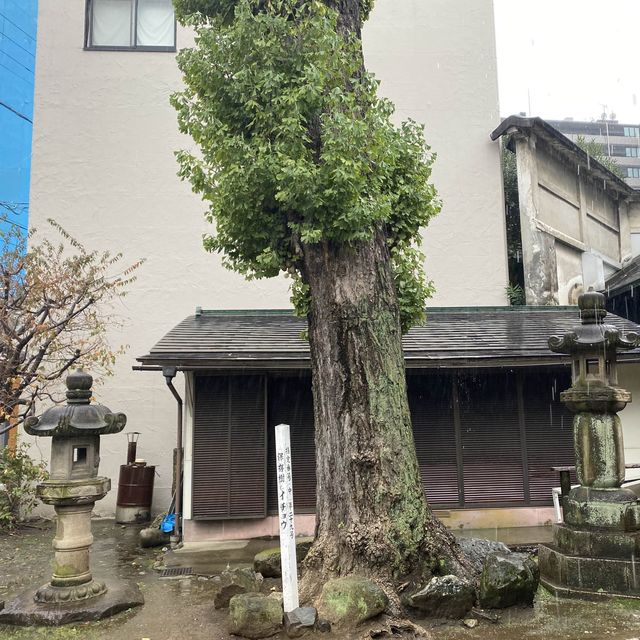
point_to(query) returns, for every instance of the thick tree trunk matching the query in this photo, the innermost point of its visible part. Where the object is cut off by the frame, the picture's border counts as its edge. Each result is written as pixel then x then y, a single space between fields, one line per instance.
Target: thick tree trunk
pixel 372 516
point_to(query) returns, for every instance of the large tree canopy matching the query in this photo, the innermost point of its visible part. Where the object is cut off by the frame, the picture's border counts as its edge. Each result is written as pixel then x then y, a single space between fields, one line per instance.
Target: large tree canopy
pixel 296 146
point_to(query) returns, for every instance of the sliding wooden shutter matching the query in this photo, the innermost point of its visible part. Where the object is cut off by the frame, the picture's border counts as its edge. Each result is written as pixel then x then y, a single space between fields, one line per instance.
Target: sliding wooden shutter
pixel 229 448
pixel 549 428
pixel 492 454
pixel 291 402
pixel 430 401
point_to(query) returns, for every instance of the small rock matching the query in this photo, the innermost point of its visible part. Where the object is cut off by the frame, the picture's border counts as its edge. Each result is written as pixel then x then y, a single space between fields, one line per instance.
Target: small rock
pixel 508 579
pixel 153 537
pixel 299 621
pixel 254 615
pixel 477 549
pixel 445 597
pixel 352 600
pixel 268 562
pixel 233 582
pixel 470 623
pixel 323 626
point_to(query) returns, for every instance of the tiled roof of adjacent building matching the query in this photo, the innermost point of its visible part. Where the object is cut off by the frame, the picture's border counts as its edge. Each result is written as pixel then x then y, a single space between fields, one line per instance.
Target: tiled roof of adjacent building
pixel 624 279
pixel 451 337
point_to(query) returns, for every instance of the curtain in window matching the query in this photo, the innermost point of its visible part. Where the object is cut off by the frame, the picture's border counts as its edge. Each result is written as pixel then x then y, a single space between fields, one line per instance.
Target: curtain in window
pixel 112 21
pixel 155 23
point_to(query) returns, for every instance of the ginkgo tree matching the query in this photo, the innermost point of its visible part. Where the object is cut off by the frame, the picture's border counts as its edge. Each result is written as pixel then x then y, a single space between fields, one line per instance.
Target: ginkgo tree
pixel 304 172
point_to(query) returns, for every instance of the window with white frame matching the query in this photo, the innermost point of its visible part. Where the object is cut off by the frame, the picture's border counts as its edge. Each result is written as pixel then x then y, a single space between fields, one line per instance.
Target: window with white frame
pixel 633 172
pixel 131 24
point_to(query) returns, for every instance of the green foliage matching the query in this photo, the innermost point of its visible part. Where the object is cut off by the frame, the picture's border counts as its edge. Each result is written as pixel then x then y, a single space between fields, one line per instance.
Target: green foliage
pixel 516 295
pixel 296 147
pixel 596 151
pixel 18 475
pixel 193 11
pixel 514 234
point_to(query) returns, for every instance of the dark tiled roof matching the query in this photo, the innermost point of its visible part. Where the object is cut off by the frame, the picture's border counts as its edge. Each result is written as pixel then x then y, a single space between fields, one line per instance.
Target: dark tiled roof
pixel 451 337
pixel 623 280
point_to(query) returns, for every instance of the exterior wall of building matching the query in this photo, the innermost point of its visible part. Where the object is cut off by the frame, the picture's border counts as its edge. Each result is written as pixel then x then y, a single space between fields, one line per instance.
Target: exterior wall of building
pixel 629 378
pixel 18 22
pixel 103 167
pixel 575 233
pixel 436 60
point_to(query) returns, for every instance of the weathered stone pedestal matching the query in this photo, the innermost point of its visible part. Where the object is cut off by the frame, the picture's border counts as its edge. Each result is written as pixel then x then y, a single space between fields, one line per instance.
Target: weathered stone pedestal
pixel 596 552
pixel 73 594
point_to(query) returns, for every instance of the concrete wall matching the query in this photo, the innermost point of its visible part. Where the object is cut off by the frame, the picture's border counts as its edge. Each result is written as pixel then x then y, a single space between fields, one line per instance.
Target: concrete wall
pixel 567 219
pixel 629 378
pixel 103 167
pixel 436 60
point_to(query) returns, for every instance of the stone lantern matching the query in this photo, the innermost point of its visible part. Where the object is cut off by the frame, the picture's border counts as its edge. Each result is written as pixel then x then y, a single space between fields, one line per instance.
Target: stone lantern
pixel 594 551
pixel 73 488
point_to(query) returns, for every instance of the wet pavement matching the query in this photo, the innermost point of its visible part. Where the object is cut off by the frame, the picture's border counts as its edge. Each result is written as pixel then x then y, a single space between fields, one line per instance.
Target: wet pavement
pixel 182 608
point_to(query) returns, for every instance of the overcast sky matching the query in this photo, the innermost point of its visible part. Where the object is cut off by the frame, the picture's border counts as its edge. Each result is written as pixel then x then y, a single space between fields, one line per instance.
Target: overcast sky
pixel 568 58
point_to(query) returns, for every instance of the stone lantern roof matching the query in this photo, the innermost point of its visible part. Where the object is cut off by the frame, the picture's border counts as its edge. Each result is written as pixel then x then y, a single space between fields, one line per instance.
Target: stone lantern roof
pixel 593 335
pixel 78 417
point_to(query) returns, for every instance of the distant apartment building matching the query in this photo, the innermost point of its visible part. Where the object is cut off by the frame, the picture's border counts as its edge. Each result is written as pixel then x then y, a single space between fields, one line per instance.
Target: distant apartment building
pixel 18 22
pixel 621 142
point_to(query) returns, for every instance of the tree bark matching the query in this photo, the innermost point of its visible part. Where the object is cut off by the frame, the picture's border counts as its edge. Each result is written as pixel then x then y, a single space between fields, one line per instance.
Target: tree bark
pixel 372 515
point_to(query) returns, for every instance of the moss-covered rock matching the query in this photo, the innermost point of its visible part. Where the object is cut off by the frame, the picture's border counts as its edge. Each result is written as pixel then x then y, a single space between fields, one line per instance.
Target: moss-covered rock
pixel 477 549
pixel 254 615
pixel 233 582
pixel 445 597
pixel 268 562
pixel 508 579
pixel 350 601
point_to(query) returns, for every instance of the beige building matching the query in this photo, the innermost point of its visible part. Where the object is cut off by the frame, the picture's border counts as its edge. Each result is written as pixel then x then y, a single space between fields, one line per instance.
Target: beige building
pixel 577 219
pixel 103 167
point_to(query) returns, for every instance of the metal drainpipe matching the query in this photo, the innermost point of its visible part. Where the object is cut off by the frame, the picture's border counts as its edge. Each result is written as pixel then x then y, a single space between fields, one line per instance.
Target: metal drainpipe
pixel 169 374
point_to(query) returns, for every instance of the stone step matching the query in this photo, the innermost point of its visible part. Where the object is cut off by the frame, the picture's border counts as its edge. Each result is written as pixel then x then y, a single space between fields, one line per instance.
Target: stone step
pixel 617 545
pixel 606 575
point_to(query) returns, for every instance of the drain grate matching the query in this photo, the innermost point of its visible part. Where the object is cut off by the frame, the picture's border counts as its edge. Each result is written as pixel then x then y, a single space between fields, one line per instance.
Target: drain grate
pixel 174 572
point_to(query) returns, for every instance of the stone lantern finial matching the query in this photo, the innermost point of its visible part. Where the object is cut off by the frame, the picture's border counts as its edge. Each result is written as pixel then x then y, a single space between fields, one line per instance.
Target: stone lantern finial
pixel 79 384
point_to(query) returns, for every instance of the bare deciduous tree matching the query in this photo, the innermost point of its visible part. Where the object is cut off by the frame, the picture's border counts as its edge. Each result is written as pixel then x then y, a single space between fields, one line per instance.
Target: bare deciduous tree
pixel 53 315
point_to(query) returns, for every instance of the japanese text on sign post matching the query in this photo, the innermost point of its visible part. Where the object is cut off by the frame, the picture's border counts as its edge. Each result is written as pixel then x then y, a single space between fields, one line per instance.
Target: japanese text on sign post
pixel 285 512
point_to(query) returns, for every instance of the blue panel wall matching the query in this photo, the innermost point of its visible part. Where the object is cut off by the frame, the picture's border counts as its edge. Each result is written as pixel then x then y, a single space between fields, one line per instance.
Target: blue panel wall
pixel 18 24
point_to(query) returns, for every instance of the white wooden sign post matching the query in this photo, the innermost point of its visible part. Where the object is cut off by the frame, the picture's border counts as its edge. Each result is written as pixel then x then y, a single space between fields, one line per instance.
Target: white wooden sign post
pixel 287 529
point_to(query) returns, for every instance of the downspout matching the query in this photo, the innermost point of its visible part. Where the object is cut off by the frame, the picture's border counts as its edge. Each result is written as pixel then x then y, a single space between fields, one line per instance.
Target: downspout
pixel 169 374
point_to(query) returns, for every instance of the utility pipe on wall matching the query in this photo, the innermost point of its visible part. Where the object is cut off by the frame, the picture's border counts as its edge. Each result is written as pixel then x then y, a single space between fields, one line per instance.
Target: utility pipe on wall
pixel 169 374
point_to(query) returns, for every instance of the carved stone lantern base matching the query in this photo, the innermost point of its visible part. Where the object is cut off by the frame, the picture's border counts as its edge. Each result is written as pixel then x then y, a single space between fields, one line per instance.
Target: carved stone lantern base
pixel 25 611
pixel 51 594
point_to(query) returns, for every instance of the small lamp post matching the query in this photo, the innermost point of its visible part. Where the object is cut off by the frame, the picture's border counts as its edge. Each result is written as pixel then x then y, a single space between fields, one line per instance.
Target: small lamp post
pixel 74 485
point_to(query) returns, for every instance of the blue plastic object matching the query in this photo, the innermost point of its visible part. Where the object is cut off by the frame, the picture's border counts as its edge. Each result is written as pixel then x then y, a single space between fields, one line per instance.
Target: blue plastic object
pixel 168 523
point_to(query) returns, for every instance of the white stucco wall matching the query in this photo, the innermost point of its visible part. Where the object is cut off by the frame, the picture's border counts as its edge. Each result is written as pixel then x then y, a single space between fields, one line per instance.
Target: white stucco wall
pixel 436 59
pixel 629 378
pixel 103 166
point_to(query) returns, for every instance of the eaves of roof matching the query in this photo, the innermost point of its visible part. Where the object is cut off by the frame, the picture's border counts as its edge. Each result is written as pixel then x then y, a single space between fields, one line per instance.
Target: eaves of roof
pixel 567 148
pixel 451 338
